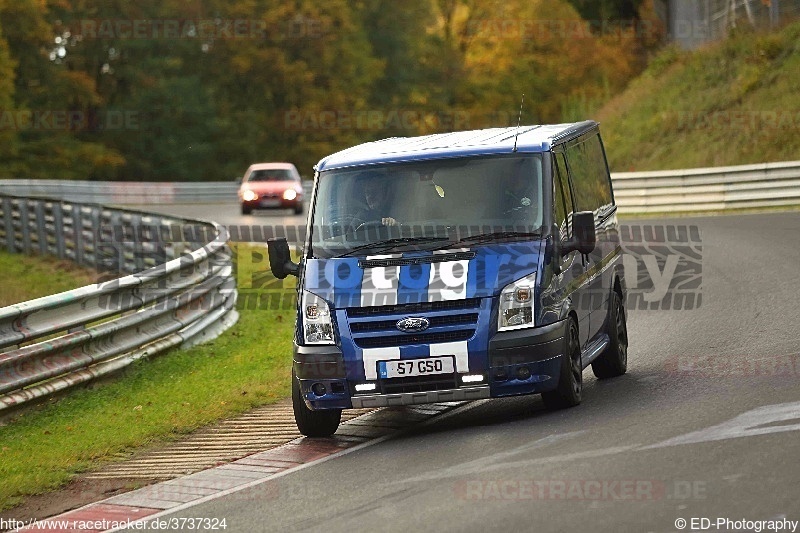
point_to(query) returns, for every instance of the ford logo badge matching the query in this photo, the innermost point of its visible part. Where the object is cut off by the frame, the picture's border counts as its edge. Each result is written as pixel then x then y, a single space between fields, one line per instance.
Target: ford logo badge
pixel 413 324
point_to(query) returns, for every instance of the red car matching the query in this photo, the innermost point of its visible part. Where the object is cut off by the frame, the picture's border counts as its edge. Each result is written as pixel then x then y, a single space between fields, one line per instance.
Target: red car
pixel 271 185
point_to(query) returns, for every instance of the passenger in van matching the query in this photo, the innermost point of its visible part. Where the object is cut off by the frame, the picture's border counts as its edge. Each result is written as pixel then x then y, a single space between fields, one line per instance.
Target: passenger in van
pixel 376 210
pixel 518 201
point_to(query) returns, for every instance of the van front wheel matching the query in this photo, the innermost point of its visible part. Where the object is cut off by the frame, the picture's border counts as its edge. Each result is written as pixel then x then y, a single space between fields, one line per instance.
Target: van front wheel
pixel 313 423
pixel 570 379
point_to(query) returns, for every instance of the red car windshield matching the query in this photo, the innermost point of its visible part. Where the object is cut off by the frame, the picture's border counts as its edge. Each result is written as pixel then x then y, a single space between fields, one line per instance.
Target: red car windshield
pixel 271 175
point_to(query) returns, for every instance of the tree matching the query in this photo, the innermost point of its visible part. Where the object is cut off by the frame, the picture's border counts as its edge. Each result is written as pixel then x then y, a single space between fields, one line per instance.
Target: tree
pixel 50 103
pixel 607 10
pixel 8 115
pixel 200 89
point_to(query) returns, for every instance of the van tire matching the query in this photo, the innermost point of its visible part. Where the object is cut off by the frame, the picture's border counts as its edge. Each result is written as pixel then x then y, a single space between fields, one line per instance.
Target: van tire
pixel 322 423
pixel 613 361
pixel 298 210
pixel 570 379
pixel 246 210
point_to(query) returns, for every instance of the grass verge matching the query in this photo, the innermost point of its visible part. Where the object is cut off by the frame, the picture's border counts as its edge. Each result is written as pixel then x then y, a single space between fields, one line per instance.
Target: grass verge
pixel 28 277
pixel 732 102
pixel 155 400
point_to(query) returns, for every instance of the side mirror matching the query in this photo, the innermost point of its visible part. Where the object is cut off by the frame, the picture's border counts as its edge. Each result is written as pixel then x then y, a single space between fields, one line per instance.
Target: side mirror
pixel 279 258
pixel 583 234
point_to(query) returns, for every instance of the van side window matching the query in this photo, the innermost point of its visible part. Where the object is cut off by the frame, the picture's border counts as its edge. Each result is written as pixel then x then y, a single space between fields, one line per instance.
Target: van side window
pixel 562 196
pixel 587 165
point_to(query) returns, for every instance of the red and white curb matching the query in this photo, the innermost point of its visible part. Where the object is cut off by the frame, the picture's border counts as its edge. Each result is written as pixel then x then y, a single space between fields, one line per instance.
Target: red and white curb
pixel 169 496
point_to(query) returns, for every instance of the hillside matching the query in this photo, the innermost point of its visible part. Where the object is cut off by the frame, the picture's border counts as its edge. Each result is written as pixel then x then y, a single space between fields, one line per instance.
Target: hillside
pixel 731 103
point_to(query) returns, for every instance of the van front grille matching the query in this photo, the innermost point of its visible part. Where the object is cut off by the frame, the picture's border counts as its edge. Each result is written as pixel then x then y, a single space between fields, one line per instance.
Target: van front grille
pixel 435 321
pixel 448 321
pixel 386 341
pixel 407 309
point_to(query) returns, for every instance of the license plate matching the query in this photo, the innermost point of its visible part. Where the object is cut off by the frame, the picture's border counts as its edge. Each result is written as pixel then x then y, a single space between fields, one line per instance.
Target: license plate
pixel 270 203
pixel 415 367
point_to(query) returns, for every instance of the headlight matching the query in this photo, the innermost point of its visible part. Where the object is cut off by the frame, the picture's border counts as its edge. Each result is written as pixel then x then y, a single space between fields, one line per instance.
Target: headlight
pixel 516 304
pixel 317 325
pixel 249 196
pixel 289 194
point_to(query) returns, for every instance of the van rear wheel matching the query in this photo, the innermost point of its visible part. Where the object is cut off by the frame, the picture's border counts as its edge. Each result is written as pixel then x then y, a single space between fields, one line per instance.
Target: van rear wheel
pixel 570 379
pixel 613 361
pixel 313 423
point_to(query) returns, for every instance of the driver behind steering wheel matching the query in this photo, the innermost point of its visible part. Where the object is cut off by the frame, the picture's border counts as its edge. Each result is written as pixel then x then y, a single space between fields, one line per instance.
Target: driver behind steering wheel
pixel 518 198
pixel 376 210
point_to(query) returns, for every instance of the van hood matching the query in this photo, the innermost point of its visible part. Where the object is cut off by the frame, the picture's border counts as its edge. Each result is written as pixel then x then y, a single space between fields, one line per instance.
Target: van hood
pixel 415 277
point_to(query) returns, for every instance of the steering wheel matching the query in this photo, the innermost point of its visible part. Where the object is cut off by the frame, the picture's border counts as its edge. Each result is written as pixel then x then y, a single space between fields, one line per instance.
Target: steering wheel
pixel 342 223
pixel 370 224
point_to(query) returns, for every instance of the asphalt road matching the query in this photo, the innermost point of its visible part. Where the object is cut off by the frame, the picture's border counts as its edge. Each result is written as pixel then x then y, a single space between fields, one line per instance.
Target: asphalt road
pixel 704 425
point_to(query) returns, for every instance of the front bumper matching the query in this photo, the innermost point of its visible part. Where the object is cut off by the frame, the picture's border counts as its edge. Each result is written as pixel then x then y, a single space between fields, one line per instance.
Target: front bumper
pixel 525 361
pixel 273 203
pixel 418 398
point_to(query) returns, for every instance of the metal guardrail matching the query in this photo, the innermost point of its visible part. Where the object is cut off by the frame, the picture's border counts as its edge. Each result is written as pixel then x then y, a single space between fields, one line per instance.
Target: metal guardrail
pixel 701 189
pixel 708 189
pixel 179 290
pixel 124 192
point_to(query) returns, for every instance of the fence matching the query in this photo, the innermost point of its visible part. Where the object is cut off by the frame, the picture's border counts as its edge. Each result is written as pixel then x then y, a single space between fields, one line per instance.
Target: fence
pixel 694 22
pixel 709 189
pixel 703 189
pixel 179 290
pixel 124 193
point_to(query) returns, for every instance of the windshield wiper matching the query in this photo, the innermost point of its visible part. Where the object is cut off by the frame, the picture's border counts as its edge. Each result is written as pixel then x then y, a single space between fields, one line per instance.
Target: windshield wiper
pixel 388 244
pixel 488 237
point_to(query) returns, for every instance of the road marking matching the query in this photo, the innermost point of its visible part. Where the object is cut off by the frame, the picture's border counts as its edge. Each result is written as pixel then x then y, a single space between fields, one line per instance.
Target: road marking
pixel 478 466
pixel 494 461
pixel 257 482
pixel 761 421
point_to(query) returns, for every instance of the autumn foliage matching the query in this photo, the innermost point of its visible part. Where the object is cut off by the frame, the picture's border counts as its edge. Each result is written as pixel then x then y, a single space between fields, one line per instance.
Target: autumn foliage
pixel 199 89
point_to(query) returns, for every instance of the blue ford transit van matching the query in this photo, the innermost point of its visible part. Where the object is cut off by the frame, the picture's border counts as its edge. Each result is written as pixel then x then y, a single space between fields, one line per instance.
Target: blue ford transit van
pixel 458 266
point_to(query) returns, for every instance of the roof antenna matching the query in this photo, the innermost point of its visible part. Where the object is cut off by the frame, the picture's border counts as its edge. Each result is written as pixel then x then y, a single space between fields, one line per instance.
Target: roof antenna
pixel 519 119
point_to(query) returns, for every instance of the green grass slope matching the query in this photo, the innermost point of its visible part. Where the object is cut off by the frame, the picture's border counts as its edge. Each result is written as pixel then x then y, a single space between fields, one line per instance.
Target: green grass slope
pixel 28 277
pixel 733 102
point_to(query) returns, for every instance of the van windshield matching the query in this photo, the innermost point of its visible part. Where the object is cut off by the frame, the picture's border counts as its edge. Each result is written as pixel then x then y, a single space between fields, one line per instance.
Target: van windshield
pixel 428 204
